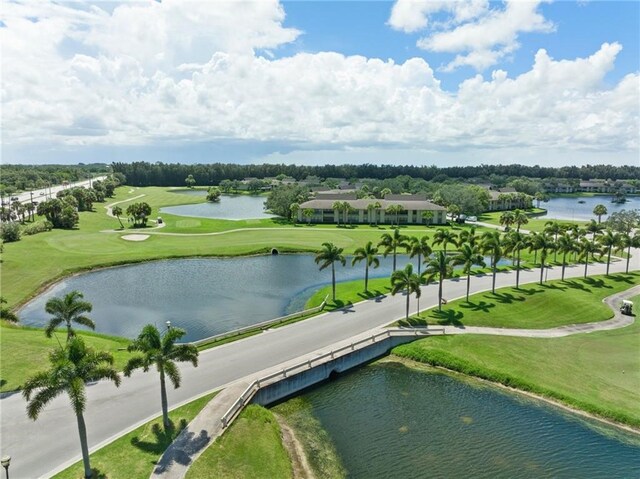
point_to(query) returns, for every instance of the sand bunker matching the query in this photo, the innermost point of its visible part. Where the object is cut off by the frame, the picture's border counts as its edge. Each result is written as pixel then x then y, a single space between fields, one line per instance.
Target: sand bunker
pixel 134 237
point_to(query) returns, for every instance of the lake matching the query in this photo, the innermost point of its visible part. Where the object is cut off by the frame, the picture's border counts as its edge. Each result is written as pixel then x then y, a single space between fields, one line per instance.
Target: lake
pixel 230 207
pixel 388 421
pixel 568 208
pixel 205 296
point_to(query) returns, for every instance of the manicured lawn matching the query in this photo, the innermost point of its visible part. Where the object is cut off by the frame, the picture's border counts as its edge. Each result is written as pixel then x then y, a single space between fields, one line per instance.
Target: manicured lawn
pixel 553 304
pixel 536 224
pixel 251 449
pixel 134 454
pixel 25 351
pixel 597 372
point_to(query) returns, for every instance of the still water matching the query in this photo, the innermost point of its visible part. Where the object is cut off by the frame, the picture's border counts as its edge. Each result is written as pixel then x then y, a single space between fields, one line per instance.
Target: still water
pixel 388 421
pixel 568 208
pixel 230 207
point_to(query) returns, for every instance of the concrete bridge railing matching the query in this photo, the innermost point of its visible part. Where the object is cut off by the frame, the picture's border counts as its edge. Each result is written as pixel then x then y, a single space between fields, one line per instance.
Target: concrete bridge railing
pixel 262 325
pixel 255 386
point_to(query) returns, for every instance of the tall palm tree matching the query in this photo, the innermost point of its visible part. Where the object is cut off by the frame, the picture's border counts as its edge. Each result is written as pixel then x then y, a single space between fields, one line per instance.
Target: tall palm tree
pixel 468 236
pixel 438 266
pixel 506 219
pixel 469 256
pixel 371 208
pixel 419 247
pixel 162 351
pixel 337 207
pixel 369 254
pixel 543 243
pixel 406 280
pixel 444 237
pixel 531 241
pixel 609 241
pixel 67 310
pixel 117 212
pixel 520 218
pixel 566 245
pixel 514 242
pixel 599 211
pixel 492 245
pixel 328 256
pixel 553 228
pixel 70 369
pixel 628 241
pixel 595 229
pixel 377 207
pixel 391 243
pixel 586 248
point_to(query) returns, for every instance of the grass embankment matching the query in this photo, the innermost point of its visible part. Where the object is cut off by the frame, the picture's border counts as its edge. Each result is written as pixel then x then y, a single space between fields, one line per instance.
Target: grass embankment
pixel 133 455
pixel 25 350
pixel 252 448
pixel 597 372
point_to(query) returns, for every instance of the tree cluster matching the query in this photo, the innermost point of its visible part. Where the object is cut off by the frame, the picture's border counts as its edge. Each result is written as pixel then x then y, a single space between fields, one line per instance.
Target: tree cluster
pixel 139 213
pixel 30 177
pixel 282 197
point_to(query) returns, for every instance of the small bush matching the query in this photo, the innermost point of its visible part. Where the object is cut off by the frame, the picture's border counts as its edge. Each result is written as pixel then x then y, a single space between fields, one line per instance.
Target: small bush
pixel 10 232
pixel 35 228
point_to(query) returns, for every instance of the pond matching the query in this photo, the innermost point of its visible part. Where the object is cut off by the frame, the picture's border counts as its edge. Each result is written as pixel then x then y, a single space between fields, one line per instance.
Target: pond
pixel 230 207
pixel 387 420
pixel 204 296
pixel 568 208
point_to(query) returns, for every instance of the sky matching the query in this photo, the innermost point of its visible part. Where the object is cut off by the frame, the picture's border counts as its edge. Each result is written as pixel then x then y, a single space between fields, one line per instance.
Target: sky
pixel 440 83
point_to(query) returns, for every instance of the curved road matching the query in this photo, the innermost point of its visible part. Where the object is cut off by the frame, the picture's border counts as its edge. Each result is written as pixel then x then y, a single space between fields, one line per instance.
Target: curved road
pixel 43 447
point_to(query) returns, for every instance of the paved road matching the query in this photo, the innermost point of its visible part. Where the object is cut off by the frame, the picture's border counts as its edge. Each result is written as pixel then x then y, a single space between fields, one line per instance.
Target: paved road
pixel 38 448
pixel 47 193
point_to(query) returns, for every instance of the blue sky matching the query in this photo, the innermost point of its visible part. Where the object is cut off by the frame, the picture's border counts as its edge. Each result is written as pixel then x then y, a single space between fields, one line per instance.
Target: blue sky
pixel 322 82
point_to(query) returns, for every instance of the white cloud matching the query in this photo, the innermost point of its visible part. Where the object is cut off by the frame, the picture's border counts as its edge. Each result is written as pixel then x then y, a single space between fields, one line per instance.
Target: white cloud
pixel 74 83
pixel 413 15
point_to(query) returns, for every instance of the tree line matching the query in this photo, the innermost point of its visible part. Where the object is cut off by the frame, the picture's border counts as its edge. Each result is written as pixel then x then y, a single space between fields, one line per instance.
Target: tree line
pixel 172 174
pixel 30 177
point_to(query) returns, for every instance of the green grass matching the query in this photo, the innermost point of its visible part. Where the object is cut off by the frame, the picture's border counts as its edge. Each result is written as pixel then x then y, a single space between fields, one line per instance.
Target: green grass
pixel 133 455
pixel 251 448
pixel 25 350
pixel 536 224
pixel 320 451
pixel 597 372
pixel 553 304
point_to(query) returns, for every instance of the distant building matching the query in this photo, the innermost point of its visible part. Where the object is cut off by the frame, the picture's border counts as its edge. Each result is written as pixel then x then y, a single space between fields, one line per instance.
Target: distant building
pixel 364 212
pixel 507 199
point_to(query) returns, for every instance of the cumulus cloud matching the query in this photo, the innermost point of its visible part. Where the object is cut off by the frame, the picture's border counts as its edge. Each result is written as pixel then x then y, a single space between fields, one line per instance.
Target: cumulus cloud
pixel 68 79
pixel 479 36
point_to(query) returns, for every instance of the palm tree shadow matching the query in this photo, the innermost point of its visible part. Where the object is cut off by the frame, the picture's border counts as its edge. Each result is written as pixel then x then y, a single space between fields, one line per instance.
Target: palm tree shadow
pixel 480 306
pixel 622 278
pixel 448 317
pixel 182 451
pixel 97 474
pixel 163 438
pixel 576 285
pixel 372 294
pixel 507 298
pixel 596 283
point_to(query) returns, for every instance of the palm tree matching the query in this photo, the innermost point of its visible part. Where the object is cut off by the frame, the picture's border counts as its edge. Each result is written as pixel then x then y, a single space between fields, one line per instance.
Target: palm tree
pixel 395 210
pixel 543 243
pixel 492 245
pixel 327 256
pixel 377 207
pixel 520 218
pixel 553 228
pixel 418 247
pixel 71 368
pixel 531 242
pixel 369 254
pixel 506 219
pixel 444 236
pixel 117 211
pixel 337 207
pixel 566 245
pixel 586 248
pixel 371 208
pixel 609 240
pixel 628 241
pixel 164 353
pixel 384 192
pixel 67 310
pixel 406 279
pixel 468 236
pixel 391 243
pixel 438 266
pixel 427 216
pixel 599 211
pixel 515 242
pixel 595 229
pixel 308 213
pixel 469 256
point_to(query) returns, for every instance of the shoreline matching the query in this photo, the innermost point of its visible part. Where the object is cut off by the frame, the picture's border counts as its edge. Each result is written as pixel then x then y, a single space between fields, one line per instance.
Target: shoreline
pixel 546 399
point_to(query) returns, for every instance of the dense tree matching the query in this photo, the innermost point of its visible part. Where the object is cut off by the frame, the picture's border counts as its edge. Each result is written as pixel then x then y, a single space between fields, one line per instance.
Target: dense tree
pixel 61 213
pixel 163 352
pixel 438 266
pixel 71 368
pixel 406 280
pixel 623 221
pixel 139 213
pixel 67 310
pixel 600 211
pixel 5 313
pixel 369 254
pixel 281 197
pixel 391 243
pixel 468 256
pixel 10 232
pixel 328 256
pixel 213 194
pixel 471 199
pixel 190 181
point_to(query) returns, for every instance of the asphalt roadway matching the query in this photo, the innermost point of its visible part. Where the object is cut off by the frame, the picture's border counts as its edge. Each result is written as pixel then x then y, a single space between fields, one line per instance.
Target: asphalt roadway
pixel 50 192
pixel 43 447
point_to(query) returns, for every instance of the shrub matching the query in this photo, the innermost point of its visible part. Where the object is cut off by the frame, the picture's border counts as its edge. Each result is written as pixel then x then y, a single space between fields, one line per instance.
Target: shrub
pixel 9 232
pixel 35 228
